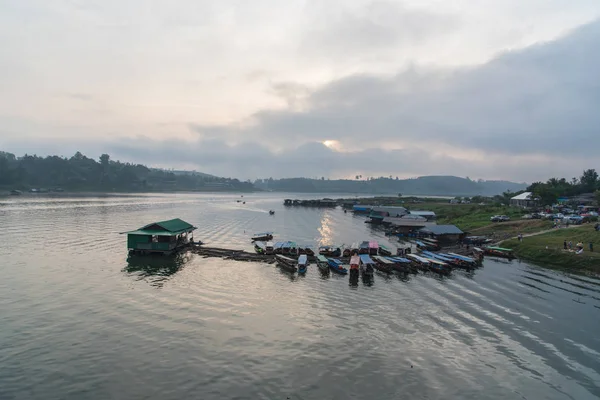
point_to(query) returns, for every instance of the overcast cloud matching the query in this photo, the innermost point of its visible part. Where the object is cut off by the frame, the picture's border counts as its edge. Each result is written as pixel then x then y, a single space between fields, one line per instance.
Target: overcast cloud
pixel 479 88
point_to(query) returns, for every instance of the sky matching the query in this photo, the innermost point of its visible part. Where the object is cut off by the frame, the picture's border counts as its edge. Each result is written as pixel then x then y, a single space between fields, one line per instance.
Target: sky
pixel 255 89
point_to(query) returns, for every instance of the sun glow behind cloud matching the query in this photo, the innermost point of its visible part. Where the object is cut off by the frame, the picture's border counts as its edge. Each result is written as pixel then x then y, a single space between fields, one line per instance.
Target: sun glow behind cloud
pixel 333 145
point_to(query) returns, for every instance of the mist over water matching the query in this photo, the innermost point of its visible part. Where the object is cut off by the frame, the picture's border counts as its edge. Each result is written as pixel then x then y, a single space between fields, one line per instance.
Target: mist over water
pixel 80 321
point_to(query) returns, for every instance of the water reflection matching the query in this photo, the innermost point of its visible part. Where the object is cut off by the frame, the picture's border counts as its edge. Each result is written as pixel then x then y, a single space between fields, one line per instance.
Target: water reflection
pixel 158 268
pixel 353 281
pixel 368 280
pixel 325 230
pixel 292 276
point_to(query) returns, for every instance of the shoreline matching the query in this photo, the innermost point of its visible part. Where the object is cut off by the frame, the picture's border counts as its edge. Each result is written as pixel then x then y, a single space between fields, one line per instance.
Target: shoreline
pixel 537 233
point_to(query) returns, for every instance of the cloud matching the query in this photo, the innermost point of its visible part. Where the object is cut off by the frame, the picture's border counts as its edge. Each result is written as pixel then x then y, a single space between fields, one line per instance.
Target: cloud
pixel 253 89
pixel 357 32
pixel 533 101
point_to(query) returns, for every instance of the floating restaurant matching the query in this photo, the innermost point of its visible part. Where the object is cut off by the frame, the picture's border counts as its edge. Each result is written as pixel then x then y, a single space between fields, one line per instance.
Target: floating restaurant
pixel 164 237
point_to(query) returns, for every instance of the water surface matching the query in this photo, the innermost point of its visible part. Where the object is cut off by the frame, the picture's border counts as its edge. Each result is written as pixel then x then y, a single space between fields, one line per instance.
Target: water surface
pixel 80 321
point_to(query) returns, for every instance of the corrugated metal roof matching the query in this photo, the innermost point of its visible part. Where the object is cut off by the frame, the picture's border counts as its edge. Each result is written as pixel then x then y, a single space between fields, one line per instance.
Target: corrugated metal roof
pixel 442 230
pixel 169 227
pixel 153 233
pixel 423 213
pixel 407 221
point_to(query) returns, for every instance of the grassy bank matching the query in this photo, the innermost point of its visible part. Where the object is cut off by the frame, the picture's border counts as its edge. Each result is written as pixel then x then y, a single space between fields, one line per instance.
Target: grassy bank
pixel 469 217
pixel 547 249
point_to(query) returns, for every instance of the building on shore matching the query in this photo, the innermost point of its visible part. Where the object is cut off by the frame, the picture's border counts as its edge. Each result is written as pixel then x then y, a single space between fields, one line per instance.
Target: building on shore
pixel 443 233
pixel 525 199
pixel 428 215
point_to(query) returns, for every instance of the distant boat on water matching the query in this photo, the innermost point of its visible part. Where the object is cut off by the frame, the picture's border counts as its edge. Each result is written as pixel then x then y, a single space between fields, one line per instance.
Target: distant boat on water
pixel 263 236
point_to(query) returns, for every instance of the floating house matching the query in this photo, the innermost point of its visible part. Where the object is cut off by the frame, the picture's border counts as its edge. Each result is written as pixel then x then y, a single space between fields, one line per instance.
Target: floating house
pixel 164 237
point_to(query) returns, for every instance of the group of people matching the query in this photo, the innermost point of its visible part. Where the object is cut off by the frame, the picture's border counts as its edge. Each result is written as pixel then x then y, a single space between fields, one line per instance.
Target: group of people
pixel 579 246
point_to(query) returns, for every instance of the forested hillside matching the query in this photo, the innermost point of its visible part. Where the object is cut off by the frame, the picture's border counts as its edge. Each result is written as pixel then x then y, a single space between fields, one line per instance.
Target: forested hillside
pixel 425 185
pixel 81 173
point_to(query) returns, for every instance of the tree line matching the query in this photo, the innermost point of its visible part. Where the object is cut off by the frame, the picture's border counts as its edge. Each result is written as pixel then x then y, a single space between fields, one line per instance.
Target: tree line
pixel 550 191
pixel 83 173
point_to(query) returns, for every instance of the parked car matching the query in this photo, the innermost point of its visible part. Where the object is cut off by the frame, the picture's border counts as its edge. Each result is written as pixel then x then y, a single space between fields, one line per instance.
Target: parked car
pixel 500 218
pixel 572 219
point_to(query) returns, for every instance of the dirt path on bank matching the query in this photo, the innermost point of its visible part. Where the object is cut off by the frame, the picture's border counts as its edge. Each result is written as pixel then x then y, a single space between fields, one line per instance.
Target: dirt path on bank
pixel 542 232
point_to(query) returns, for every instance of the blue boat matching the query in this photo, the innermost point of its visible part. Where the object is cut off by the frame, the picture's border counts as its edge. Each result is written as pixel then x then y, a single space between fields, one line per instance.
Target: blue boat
pixel 402 264
pixel 337 266
pixel 278 247
pixel 366 265
pixel 302 263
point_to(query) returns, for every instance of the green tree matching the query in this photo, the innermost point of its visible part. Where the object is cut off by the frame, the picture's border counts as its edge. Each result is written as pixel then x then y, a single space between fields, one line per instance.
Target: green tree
pixel 589 179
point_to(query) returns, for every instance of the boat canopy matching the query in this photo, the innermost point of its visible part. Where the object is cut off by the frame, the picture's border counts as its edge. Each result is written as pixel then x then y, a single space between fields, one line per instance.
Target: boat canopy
pixel 434 261
pixel 460 257
pixel 417 258
pixel 399 259
pixel 321 258
pixel 303 259
pixel 373 245
pixel 365 259
pixel 383 260
pixel 497 248
pixel 355 260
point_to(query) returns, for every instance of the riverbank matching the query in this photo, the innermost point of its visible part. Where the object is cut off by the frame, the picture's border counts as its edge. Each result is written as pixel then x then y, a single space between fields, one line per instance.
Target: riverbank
pixel 541 245
pixel 547 249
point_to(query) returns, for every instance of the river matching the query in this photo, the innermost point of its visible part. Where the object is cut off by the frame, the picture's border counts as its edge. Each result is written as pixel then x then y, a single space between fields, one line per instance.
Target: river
pixel 78 321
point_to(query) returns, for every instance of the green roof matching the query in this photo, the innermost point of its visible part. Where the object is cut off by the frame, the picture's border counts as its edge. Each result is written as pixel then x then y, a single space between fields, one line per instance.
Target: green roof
pixel 170 227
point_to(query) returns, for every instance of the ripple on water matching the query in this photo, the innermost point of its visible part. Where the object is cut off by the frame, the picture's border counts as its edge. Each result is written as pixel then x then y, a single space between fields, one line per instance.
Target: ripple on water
pixel 84 322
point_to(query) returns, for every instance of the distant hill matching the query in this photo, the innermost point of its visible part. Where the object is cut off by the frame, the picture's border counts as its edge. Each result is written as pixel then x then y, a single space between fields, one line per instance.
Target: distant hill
pixel 424 185
pixel 80 173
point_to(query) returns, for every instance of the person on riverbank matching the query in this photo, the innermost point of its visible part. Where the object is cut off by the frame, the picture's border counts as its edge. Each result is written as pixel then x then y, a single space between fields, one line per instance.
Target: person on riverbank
pixel 570 245
pixel 591 247
pixel 520 237
pixel 565 244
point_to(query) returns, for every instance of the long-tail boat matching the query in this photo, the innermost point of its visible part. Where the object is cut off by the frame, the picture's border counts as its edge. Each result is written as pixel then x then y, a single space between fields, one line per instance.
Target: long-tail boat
pixel 263 236
pixel 337 266
pixel 330 251
pixel 286 263
pixel 438 266
pixel 322 263
pixel 402 264
pixel 278 248
pixel 422 263
pixel 269 248
pixel 308 250
pixel 363 248
pixel 384 250
pixel 302 263
pixel 367 265
pixel 384 265
pixel 260 247
pixel 373 248
pixel 499 252
pixel 354 266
